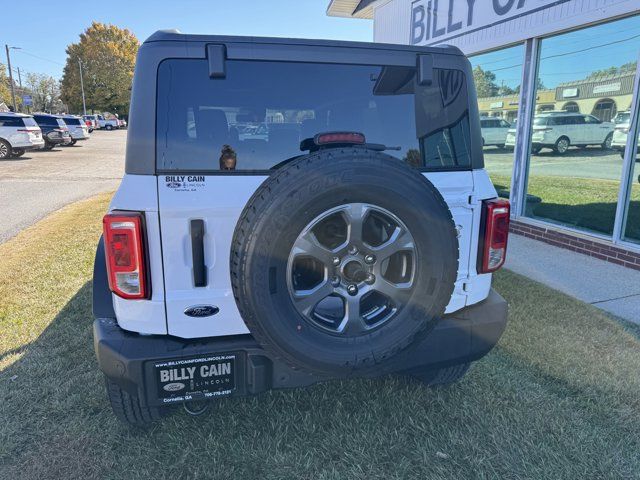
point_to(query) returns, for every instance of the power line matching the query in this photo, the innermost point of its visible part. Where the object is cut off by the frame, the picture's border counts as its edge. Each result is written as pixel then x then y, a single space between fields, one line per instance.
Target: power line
pixel 40 58
pixel 591 48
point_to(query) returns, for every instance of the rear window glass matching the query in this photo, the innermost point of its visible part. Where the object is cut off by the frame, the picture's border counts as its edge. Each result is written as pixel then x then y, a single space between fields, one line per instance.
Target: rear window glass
pixel 45 120
pixel 72 121
pixel 623 118
pixel 29 122
pixel 263 110
pixel 11 121
pixel 539 121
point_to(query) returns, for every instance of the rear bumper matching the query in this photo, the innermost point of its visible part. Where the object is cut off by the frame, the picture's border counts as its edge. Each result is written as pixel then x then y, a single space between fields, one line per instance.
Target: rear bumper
pixel 128 358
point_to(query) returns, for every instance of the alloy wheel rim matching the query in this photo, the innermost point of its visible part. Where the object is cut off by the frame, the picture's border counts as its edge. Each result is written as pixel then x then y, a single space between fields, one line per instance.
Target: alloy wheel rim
pixel 352 269
pixel 563 146
pixel 3 150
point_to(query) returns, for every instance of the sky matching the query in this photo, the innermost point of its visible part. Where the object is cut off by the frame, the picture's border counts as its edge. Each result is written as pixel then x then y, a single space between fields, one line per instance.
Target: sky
pixel 570 56
pixel 44 37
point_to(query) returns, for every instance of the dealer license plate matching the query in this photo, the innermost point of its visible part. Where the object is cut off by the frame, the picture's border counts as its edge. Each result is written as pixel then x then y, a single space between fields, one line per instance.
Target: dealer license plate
pixel 195 378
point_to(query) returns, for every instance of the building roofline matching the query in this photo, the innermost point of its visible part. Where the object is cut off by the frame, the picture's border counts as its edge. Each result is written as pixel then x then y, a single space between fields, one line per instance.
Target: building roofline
pixel 351 8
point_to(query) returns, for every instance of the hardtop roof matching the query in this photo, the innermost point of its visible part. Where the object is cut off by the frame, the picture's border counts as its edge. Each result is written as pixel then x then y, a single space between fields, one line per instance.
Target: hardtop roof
pixel 16 114
pixel 176 36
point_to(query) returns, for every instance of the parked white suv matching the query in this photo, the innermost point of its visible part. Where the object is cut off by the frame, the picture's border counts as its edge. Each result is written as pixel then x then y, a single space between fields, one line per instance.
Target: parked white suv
pixel 18 133
pixel 77 128
pixel 561 130
pixel 621 133
pixel 357 239
pixel 494 131
pixel 107 123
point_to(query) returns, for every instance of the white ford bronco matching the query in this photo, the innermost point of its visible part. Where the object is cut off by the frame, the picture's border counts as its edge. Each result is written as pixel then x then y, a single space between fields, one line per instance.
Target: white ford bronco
pixel 295 211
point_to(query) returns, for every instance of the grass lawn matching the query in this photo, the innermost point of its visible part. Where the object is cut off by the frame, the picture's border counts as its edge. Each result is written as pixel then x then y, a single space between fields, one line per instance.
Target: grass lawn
pixel 558 399
pixel 586 203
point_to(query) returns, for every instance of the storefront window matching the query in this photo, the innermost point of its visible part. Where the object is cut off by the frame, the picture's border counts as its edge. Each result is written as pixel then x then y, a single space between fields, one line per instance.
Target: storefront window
pixel 631 225
pixel 575 166
pixel 497 76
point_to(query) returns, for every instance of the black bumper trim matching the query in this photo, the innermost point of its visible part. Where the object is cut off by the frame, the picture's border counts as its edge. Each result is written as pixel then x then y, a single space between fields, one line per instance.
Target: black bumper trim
pixel 125 357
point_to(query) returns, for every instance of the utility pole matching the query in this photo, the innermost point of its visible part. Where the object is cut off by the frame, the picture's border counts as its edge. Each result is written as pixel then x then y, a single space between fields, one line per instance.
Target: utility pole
pixel 22 89
pixel 84 105
pixel 13 92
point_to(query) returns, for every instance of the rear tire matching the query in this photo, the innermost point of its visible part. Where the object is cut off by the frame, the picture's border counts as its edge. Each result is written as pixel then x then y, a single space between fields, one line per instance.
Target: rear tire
pixel 128 408
pixel 18 152
pixel 5 150
pixel 108 127
pixel 606 145
pixel 443 376
pixel 562 145
pixel 73 143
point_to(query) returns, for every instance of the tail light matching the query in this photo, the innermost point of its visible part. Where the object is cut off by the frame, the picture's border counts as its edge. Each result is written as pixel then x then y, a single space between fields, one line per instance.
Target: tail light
pixel 125 255
pixel 493 247
pixel 339 137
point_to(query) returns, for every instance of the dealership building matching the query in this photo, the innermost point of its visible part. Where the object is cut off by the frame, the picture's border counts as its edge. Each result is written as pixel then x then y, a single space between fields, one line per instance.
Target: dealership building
pixel 564 71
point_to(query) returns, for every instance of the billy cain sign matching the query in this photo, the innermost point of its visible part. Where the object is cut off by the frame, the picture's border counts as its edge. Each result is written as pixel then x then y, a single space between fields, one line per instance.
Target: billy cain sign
pixel 436 21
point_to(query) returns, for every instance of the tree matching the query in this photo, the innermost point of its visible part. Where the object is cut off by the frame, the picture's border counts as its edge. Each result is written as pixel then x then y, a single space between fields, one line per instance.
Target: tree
pixel 485 81
pixel 108 55
pixel 5 92
pixel 45 93
pixel 626 68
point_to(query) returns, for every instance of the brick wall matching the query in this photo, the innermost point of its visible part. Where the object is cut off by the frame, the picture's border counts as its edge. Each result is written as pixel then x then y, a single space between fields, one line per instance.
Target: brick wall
pixel 576 243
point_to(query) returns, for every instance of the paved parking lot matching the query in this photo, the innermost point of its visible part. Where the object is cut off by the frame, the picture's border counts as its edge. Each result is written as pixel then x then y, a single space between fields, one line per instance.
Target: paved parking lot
pixel 592 162
pixel 40 182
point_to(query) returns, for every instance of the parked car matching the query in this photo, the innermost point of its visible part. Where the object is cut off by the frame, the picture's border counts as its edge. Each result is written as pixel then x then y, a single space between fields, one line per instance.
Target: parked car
pixel 18 133
pixel 91 121
pixel 107 123
pixel 122 123
pixel 561 130
pixel 621 133
pixel 77 128
pixel 334 254
pixel 54 130
pixel 494 131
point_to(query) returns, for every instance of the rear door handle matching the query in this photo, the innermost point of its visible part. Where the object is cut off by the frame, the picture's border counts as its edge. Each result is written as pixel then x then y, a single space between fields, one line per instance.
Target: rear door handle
pixel 197 253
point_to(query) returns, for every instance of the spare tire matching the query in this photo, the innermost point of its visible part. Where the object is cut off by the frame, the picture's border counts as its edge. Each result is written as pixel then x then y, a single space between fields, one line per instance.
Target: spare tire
pixel 342 259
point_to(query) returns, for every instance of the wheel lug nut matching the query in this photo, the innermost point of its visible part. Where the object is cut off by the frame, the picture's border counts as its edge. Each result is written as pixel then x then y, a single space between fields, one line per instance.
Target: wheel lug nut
pixel 371 279
pixel 336 261
pixel 353 249
pixel 352 290
pixel 370 259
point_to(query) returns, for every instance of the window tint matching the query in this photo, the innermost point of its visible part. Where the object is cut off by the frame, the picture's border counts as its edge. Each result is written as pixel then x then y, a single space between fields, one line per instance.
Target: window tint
pixel 263 110
pixel 46 120
pixel 71 121
pixel 11 121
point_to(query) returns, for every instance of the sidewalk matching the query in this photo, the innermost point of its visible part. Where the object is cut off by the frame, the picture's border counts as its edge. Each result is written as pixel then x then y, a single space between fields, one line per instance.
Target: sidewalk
pixel 605 285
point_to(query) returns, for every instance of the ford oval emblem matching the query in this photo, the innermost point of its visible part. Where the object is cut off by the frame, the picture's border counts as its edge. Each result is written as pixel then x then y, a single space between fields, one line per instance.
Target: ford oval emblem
pixel 174 387
pixel 199 311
